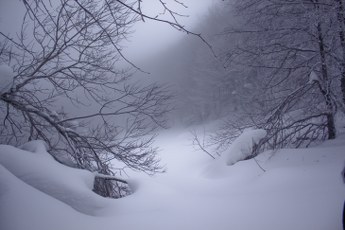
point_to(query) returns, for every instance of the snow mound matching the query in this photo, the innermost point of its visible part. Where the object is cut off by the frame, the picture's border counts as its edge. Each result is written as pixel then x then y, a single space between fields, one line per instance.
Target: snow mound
pixel 68 185
pixel 242 147
pixel 6 78
pixel 239 150
pixel 37 146
pixel 300 189
pixel 24 207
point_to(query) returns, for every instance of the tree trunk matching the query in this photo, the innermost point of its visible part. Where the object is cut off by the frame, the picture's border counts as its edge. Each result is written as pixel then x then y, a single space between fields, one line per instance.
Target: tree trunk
pixel 341 20
pixel 324 86
pixel 342 85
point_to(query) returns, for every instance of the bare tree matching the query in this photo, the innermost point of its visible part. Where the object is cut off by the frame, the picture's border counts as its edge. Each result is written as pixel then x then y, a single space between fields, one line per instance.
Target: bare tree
pixel 339 9
pixel 67 55
pixel 291 47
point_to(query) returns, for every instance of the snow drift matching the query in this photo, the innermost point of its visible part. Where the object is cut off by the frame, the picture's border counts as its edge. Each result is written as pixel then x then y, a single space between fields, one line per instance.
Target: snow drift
pixel 300 189
pixel 34 166
pixel 242 147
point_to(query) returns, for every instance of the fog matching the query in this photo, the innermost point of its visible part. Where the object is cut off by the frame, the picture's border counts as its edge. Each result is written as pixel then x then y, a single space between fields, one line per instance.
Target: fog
pixel 150 37
pixel 158 49
pixel 263 75
pixel 183 62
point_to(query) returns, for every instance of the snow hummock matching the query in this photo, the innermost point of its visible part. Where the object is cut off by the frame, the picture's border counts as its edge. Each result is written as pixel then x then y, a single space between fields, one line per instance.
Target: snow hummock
pixel 37 168
pixel 25 207
pixel 36 146
pixel 242 147
pixel 6 78
pixel 300 189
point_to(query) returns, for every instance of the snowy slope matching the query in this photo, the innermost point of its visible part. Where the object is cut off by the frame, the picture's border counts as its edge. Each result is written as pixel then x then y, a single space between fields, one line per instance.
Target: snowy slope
pixel 37 168
pixel 300 189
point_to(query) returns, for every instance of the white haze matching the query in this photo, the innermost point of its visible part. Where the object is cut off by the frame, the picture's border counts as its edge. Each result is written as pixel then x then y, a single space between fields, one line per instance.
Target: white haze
pixel 151 38
pixel 149 42
pixel 148 38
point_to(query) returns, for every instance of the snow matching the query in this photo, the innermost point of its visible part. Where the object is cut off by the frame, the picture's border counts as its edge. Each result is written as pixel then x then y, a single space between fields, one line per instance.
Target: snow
pixel 6 78
pixel 34 166
pixel 37 146
pixel 241 148
pixel 313 77
pixel 24 207
pixel 300 189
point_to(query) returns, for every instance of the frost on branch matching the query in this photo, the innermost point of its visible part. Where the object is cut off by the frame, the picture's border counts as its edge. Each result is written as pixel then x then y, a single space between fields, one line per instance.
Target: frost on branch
pixel 313 78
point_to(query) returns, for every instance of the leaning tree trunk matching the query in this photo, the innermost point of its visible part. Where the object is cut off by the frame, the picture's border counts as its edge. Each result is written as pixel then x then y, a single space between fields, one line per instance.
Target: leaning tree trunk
pixel 325 86
pixel 341 20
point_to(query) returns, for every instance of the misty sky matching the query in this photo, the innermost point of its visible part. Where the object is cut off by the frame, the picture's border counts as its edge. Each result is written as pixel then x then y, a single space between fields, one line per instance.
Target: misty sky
pixel 151 37
pixel 148 39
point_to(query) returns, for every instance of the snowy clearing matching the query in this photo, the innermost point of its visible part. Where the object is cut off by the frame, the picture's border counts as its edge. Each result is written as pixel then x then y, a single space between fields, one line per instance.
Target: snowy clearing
pixel 301 189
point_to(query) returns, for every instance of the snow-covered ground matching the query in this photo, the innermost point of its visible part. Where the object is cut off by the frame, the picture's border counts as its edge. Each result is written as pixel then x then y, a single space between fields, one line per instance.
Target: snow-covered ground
pixel 300 189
